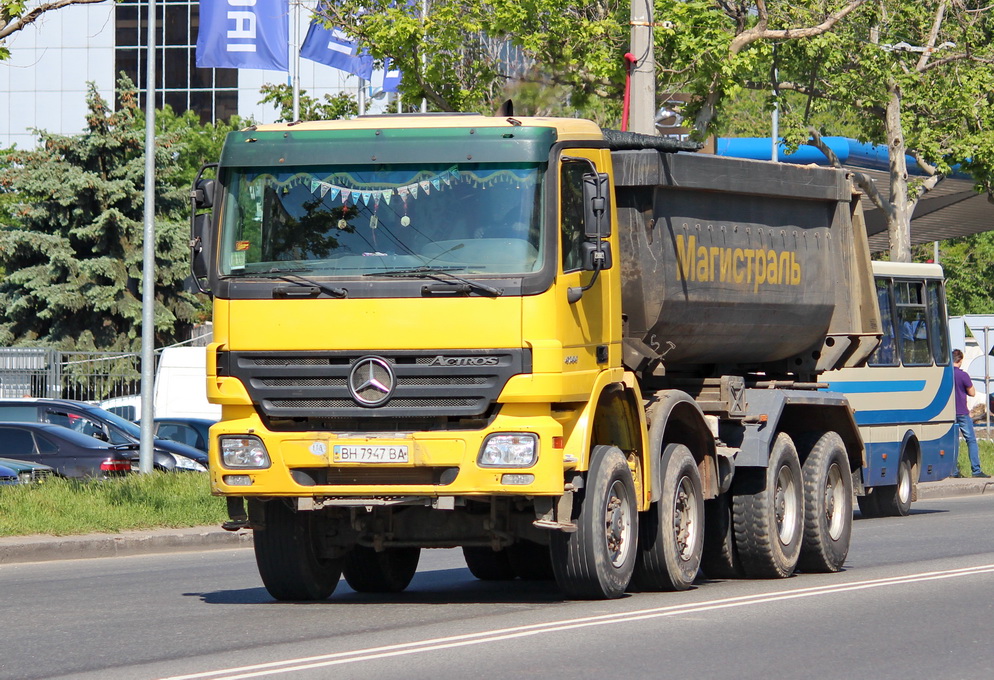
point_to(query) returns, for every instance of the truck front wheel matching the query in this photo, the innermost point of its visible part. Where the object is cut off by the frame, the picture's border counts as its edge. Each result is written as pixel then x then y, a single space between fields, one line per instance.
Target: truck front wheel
pixel 671 532
pixel 596 561
pixel 288 555
pixel 387 571
pixel 768 513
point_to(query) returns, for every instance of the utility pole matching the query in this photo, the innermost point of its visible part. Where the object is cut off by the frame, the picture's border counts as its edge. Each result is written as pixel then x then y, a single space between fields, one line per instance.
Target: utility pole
pixel 642 116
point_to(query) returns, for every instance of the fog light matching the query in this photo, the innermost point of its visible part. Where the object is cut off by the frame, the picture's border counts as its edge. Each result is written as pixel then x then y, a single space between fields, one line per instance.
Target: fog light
pixel 237 480
pixel 244 452
pixel 517 478
pixel 519 449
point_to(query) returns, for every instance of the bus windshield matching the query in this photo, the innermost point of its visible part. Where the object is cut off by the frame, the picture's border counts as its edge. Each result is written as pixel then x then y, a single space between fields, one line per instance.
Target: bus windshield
pixel 349 221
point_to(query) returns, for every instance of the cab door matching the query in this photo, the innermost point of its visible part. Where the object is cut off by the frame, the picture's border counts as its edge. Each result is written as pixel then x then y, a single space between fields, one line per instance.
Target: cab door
pixel 590 327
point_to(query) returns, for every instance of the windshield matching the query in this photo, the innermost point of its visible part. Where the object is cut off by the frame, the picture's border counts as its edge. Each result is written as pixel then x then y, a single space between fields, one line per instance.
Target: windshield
pixel 354 220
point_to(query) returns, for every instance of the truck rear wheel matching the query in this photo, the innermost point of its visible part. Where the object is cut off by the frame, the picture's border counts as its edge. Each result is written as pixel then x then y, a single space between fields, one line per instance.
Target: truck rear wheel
pixel 387 571
pixel 671 532
pixel 596 561
pixel 827 506
pixel 868 506
pixel 720 558
pixel 287 552
pixel 488 564
pixel 768 513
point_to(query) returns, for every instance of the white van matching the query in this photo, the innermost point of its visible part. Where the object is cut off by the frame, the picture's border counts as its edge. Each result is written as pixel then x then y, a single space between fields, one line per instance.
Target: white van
pixel 181 385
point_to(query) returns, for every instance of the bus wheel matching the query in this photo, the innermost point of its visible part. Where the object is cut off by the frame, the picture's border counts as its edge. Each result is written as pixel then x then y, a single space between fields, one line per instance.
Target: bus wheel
pixel 530 561
pixel 768 513
pixel 895 501
pixel 720 558
pixel 596 561
pixel 287 552
pixel 387 571
pixel 488 564
pixel 671 532
pixel 827 506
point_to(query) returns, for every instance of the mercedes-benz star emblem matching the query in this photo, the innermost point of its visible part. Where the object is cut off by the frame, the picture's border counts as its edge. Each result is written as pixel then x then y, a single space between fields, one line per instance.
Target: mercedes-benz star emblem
pixel 371 381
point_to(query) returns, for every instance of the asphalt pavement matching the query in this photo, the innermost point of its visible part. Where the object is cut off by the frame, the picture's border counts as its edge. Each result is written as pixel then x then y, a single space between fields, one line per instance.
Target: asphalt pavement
pixel 42 548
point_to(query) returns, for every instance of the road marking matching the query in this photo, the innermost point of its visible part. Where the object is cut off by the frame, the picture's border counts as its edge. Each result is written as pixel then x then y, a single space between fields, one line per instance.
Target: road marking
pixel 502 634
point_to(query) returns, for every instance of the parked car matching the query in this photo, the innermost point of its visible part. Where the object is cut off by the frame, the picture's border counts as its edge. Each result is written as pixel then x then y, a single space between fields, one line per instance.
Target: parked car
pixel 7 475
pixel 193 432
pixel 69 453
pixel 27 472
pixel 102 425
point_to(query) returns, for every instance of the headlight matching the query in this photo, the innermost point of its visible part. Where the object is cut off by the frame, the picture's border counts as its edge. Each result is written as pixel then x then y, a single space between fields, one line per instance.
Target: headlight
pixel 519 449
pixel 184 463
pixel 244 452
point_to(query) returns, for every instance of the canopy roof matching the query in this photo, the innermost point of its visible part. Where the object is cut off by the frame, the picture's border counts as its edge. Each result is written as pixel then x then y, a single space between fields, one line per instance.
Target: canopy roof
pixel 953 208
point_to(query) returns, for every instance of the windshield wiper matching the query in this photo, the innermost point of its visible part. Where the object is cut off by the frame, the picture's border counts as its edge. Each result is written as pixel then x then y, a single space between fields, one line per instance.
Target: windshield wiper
pixel 440 274
pixel 286 274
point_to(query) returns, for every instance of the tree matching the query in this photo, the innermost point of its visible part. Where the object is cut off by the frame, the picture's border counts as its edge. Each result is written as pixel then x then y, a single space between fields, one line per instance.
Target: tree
pixel 15 16
pixel 463 54
pixel 341 105
pixel 915 76
pixel 74 256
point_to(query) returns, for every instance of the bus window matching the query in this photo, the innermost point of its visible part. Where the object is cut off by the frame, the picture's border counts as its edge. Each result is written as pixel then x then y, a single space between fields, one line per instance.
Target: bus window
pixel 885 354
pixel 937 328
pixel 910 298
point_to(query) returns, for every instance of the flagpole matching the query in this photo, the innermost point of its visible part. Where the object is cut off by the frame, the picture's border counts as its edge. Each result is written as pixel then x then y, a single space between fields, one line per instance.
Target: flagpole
pixel 296 59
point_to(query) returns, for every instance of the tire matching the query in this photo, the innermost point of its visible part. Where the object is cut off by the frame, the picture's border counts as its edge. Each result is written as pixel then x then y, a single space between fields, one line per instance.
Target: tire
pixel 868 506
pixel 671 532
pixel 596 561
pixel 487 564
pixel 895 501
pixel 768 513
pixel 720 559
pixel 387 571
pixel 287 554
pixel 530 561
pixel 827 506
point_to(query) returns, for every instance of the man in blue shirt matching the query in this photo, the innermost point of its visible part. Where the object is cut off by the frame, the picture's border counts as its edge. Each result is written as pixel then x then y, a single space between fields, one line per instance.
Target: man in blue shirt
pixel 963 387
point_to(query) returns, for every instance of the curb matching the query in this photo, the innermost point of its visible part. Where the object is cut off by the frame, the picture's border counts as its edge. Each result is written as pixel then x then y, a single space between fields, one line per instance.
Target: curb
pixel 22 549
pixel 19 549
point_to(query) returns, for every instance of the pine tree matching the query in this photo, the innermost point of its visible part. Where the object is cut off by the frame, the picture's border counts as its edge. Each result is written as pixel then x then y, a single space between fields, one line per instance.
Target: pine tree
pixel 73 256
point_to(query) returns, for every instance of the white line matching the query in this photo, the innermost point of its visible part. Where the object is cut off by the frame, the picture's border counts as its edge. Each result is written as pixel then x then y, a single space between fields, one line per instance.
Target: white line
pixel 435 644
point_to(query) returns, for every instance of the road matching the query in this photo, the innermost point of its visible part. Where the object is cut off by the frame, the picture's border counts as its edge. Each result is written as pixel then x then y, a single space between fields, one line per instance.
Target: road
pixel 915 601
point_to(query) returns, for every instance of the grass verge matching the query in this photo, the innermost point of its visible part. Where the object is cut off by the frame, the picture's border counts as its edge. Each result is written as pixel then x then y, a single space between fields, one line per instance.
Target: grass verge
pixel 62 507
pixel 986 447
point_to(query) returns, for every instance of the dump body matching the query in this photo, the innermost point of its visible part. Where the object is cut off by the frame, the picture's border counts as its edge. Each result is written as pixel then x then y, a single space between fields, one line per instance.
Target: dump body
pixel 741 264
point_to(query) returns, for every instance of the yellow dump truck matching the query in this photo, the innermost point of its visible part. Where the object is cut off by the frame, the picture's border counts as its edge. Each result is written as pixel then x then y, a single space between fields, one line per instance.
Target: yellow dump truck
pixel 575 354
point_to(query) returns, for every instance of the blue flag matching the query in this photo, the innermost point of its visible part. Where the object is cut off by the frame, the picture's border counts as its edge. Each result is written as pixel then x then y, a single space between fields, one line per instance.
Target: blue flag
pixel 332 48
pixel 244 34
pixel 391 76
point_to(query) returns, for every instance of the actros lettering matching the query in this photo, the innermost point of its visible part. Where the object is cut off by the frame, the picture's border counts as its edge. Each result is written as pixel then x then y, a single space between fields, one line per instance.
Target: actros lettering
pixel 735 265
pixel 464 361
pixel 244 27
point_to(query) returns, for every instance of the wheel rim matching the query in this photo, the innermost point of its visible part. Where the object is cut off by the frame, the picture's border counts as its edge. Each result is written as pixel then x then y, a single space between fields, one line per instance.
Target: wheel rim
pixel 903 483
pixel 785 505
pixel 835 502
pixel 618 524
pixel 685 513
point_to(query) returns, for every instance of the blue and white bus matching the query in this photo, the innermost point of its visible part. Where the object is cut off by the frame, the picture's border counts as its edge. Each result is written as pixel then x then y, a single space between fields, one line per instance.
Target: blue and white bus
pixel 903 398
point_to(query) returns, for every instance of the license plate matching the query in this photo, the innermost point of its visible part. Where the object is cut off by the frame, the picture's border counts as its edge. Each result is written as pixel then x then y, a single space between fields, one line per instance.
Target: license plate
pixel 370 454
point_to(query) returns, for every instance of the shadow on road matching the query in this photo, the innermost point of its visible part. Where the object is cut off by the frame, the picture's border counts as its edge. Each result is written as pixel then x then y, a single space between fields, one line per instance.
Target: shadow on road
pixel 446 586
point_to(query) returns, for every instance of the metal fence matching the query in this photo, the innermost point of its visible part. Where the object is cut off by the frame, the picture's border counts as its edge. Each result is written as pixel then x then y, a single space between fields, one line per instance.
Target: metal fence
pixel 82 376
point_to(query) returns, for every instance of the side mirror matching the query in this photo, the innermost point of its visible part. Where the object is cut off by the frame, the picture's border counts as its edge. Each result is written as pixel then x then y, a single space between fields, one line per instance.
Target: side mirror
pixel 203 194
pixel 596 205
pixel 198 260
pixel 590 254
